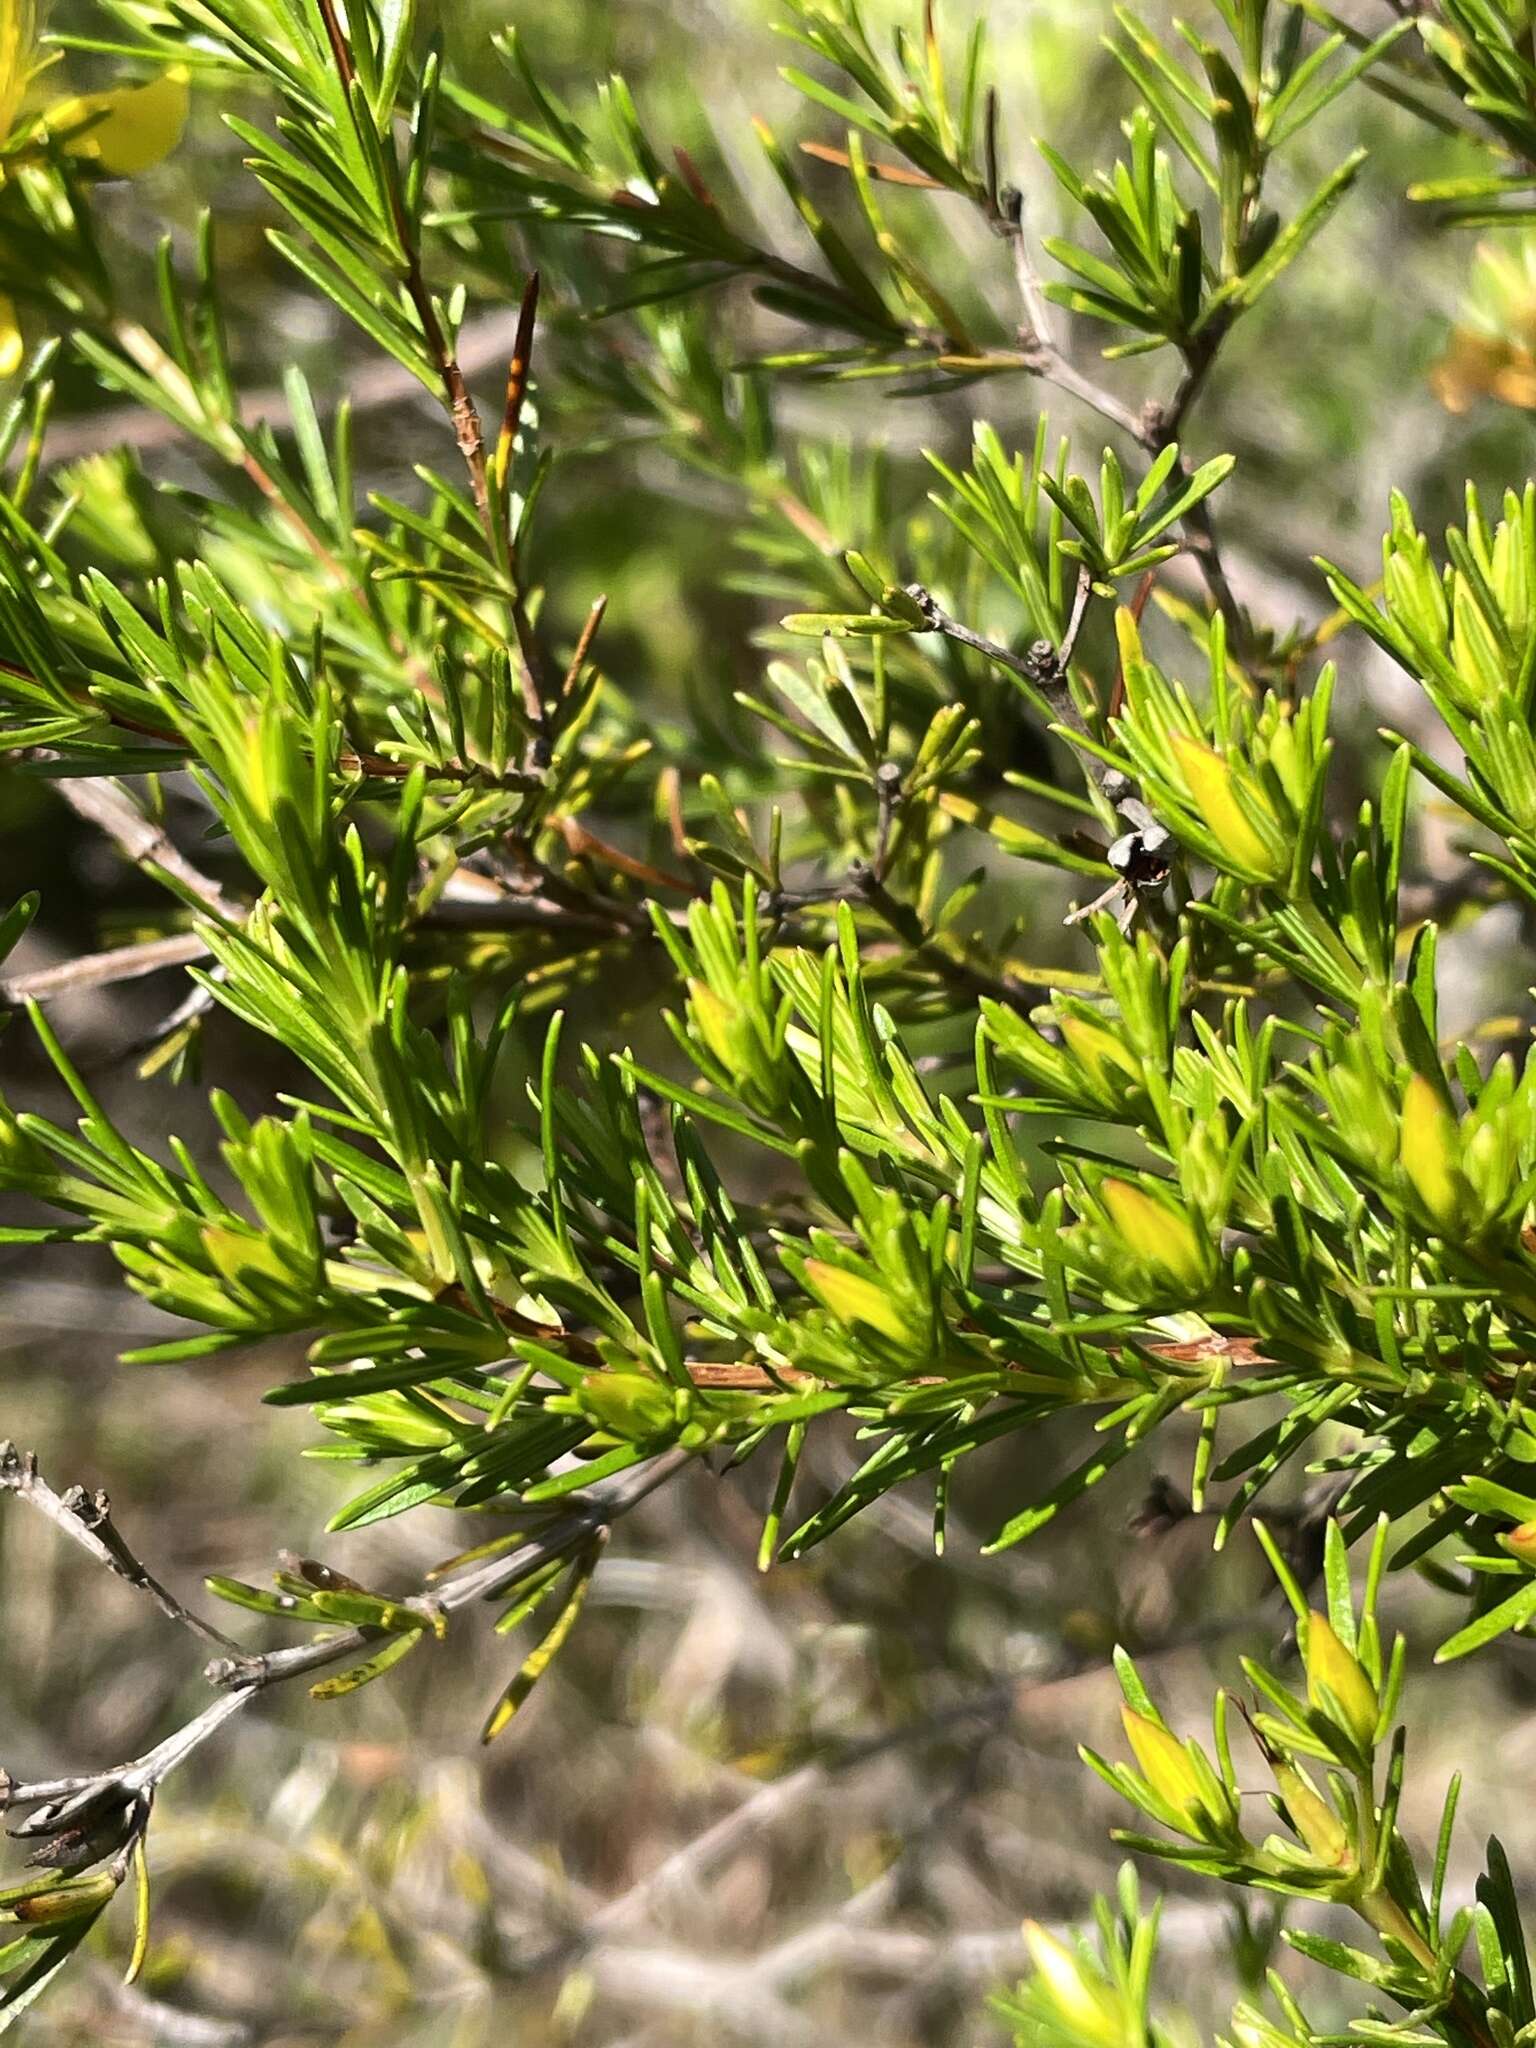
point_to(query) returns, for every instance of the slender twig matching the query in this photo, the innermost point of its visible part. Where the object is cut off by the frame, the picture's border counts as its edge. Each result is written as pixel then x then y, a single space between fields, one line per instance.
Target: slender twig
pixel 369 387
pixel 492 912
pixel 1161 428
pixel 102 803
pixel 456 393
pixel 103 970
pixel 338 42
pixel 572 1532
pixel 518 909
pixel 86 1519
pixel 888 795
pixel 519 369
pixel 1043 667
pixel 65 1803
pixel 1043 359
pixel 1031 291
pixel 385 768
pixel 461 406
pixel 470 435
pixel 1156 427
pixel 1165 423
pixel 1142 856
pixel 583 648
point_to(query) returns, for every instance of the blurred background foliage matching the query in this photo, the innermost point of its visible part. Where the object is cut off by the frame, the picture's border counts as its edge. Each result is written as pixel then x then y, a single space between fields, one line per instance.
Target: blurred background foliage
pixel 812 1806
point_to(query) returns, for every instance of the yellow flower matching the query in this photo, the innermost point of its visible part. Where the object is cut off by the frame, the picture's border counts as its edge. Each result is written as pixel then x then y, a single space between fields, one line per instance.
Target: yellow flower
pixel 128 129
pixel 18 45
pixel 123 130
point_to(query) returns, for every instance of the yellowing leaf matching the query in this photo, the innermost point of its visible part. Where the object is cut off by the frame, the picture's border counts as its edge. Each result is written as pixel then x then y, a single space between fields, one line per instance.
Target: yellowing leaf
pixel 1225 810
pixel 67 1901
pixel 1521 1543
pixel 1430 1152
pixel 140 1953
pixel 544 1653
pixel 128 129
pixel 1156 1233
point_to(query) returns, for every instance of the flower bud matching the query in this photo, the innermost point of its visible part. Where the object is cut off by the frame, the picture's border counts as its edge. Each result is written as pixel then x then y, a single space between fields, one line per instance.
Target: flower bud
pixel 853 1298
pixel 627 1403
pixel 1165 1765
pixel 1521 1543
pixel 1314 1819
pixel 1333 1670
pixel 1158 1234
pixel 1430 1151
pixel 1089 2007
pixel 1235 818
pixel 1103 1059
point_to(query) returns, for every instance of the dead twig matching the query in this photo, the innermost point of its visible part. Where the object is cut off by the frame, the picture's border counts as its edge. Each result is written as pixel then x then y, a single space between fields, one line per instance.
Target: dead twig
pixel 86 1519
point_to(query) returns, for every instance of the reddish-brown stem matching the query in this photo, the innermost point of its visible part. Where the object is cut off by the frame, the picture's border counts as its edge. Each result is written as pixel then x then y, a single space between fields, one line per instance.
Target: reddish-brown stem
pixel 584 641
pixel 518 371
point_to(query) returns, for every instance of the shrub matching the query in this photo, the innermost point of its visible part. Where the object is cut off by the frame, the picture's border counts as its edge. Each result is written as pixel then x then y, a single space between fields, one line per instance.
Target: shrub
pixel 438 814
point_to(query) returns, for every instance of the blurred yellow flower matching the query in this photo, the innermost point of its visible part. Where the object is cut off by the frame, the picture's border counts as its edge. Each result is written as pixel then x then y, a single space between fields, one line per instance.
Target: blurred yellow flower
pixel 18 44
pixel 123 130
pixel 1492 350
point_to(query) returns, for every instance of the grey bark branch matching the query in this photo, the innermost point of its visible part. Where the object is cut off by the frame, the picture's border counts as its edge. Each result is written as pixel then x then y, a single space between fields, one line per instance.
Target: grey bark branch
pixel 607 1503
pixel 102 970
pixel 1143 854
pixel 147 844
pixel 72 1802
pixel 86 1519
